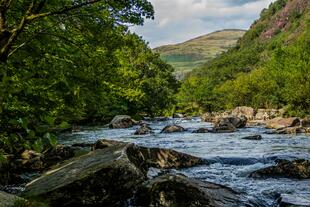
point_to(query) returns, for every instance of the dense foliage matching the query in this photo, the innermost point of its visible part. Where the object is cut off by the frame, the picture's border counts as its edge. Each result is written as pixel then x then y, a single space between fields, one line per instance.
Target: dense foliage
pixel 74 61
pixel 269 68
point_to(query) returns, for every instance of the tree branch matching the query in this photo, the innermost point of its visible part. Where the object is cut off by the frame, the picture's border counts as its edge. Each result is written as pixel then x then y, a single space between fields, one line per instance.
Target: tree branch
pixel 61 11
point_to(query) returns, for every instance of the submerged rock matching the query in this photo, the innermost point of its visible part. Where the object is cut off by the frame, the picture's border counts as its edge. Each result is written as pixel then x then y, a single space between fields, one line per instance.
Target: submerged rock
pixel 286 200
pixel 254 137
pixel 178 190
pixel 279 122
pixel 172 129
pixel 143 130
pixel 121 121
pixel 104 177
pixel 299 169
pixel 201 131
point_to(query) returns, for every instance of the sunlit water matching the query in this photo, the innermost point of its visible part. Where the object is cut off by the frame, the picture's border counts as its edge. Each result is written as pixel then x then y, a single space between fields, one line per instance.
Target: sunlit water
pixel 232 158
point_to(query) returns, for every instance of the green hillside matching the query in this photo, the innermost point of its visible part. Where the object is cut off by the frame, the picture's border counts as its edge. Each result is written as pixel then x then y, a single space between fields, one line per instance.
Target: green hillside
pixel 269 67
pixel 194 53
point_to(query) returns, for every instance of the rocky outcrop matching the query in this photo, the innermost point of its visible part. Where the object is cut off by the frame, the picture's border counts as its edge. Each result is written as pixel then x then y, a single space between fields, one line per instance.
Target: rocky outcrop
pixel 143 130
pixel 299 169
pixel 121 121
pixel 104 177
pixel 280 122
pixel 286 200
pixel 178 190
pixel 246 111
pixel 201 131
pixel 254 137
pixel 173 129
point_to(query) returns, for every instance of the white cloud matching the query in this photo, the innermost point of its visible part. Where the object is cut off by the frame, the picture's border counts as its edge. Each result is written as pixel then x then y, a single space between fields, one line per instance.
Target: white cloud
pixel 180 20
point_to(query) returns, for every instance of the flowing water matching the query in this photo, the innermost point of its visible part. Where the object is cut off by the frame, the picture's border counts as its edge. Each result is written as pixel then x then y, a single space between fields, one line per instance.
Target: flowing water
pixel 232 158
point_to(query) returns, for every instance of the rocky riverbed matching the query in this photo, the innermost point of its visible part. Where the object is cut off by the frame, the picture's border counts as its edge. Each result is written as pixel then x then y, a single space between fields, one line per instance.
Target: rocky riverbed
pixel 230 159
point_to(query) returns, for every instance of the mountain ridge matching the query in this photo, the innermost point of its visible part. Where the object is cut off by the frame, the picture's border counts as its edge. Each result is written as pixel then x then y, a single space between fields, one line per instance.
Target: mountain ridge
pixel 195 52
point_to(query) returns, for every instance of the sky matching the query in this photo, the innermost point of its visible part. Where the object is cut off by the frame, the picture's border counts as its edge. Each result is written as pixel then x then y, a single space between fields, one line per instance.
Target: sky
pixel 180 20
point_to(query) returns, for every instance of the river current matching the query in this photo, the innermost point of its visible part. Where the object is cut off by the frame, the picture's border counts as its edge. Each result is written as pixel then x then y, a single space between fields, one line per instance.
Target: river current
pixel 231 158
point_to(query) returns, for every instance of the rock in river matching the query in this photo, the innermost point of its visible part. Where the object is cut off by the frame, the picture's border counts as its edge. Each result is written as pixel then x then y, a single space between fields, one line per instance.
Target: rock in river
pixel 280 122
pixel 172 129
pixel 299 169
pixel 254 137
pixel 201 131
pixel 121 121
pixel 237 122
pixel 286 200
pixel 143 130
pixel 178 190
pixel 104 177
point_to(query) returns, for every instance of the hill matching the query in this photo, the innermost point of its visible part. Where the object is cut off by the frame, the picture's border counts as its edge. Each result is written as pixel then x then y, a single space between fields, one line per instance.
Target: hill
pixel 194 53
pixel 269 66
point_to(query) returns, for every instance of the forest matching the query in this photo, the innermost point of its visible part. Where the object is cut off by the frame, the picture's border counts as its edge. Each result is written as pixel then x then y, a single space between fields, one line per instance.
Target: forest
pixel 72 62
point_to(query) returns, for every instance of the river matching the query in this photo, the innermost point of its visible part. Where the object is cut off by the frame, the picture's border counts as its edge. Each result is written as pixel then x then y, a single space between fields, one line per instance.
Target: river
pixel 231 158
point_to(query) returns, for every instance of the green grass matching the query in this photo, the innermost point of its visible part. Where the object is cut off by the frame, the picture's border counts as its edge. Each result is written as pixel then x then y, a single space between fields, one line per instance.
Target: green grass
pixel 194 53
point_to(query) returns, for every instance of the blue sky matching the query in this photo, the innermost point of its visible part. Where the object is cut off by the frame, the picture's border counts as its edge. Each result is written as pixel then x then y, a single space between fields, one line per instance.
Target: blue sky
pixel 180 20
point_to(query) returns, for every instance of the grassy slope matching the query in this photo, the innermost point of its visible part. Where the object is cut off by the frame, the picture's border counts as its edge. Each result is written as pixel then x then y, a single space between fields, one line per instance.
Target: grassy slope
pixel 194 53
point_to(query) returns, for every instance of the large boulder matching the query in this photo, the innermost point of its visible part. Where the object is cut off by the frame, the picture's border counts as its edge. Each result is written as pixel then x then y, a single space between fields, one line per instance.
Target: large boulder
pixel 248 112
pixel 104 177
pixel 280 122
pixel 229 124
pixel 121 121
pixel 173 129
pixel 178 190
pixel 299 169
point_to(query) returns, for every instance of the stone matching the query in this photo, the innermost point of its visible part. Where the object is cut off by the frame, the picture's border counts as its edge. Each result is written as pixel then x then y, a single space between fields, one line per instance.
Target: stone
pixel 280 122
pixel 305 122
pixel 167 158
pixel 299 169
pixel 103 143
pixel 121 121
pixel 9 200
pixel 248 112
pixel 237 122
pixel 254 137
pixel 143 130
pixel 178 190
pixel 289 130
pixel 172 129
pixel 178 116
pixel 104 177
pixel 201 131
pixel 267 114
pixel 286 200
